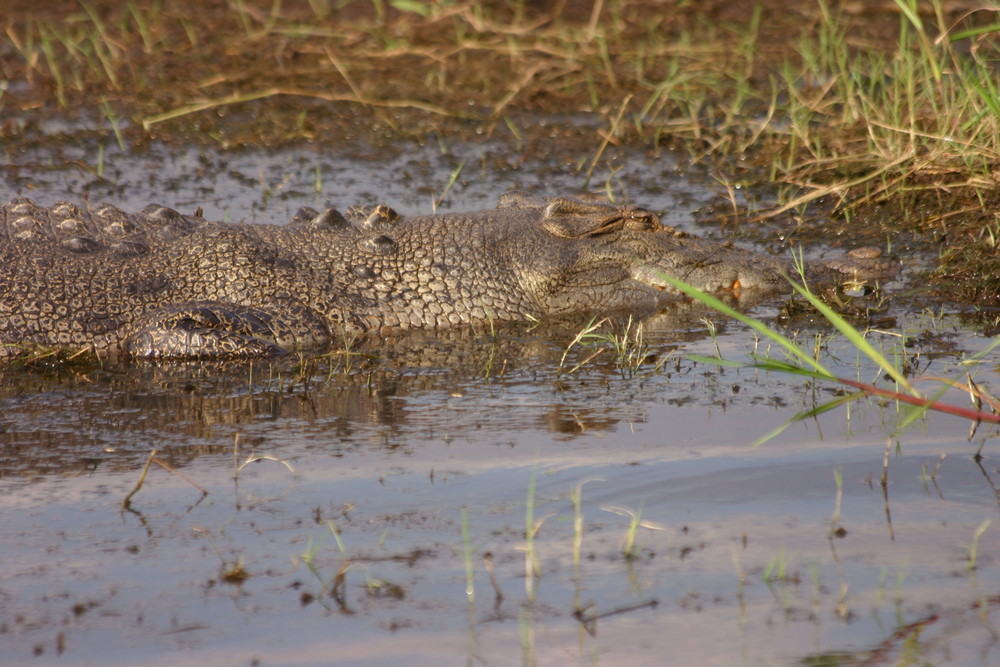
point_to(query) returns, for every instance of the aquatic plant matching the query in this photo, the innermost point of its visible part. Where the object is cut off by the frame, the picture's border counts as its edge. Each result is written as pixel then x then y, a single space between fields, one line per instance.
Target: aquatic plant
pixel 804 364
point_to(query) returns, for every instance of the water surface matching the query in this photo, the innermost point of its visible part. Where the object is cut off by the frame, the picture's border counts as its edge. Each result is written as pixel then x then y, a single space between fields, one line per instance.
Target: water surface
pixel 461 498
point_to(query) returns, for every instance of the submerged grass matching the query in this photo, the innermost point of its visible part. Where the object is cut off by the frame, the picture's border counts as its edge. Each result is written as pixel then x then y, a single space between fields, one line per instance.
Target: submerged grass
pixel 647 582
pixel 626 343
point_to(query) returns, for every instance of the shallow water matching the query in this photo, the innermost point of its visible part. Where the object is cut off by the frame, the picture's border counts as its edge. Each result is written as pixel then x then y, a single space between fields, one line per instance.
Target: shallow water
pixel 270 185
pixel 383 493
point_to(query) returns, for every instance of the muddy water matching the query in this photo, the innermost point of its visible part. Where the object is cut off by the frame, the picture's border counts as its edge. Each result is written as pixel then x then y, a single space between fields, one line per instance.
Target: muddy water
pixel 372 508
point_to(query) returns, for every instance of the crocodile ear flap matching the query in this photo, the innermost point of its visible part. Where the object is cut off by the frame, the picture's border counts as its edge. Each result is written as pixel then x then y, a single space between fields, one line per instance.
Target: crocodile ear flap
pixel 519 199
pixel 573 218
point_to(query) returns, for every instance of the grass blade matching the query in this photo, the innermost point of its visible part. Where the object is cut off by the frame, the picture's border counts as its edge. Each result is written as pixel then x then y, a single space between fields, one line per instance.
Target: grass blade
pixel 855 337
pixel 758 326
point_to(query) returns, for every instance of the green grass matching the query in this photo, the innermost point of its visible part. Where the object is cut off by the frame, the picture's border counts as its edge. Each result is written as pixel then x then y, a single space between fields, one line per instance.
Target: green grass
pixel 778 568
pixel 973 548
pixel 467 551
pixel 626 344
pixel 801 362
pixel 630 548
pixel 869 123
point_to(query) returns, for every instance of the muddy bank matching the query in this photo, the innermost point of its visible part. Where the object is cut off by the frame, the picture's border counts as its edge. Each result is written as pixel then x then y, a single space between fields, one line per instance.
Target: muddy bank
pixel 264 74
pixel 763 95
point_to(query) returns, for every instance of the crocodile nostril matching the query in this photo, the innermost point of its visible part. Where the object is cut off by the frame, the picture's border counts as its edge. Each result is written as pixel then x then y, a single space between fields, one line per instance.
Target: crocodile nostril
pixel 866 252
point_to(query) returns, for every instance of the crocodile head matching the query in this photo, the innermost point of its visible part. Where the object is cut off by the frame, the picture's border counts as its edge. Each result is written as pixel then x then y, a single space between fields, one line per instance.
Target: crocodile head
pixel 591 256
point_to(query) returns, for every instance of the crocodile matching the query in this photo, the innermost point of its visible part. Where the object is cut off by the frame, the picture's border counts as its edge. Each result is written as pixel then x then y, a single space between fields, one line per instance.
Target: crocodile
pixel 159 284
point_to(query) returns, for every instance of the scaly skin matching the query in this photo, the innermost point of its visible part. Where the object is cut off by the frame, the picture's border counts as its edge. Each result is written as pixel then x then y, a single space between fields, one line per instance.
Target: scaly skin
pixel 160 285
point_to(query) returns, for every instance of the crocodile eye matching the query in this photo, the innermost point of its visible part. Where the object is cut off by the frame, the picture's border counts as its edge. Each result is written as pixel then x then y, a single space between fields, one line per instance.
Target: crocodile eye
pixel 642 220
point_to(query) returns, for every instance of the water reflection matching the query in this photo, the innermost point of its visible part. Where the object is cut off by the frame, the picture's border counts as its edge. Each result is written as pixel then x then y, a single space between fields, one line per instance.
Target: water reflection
pixel 69 419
